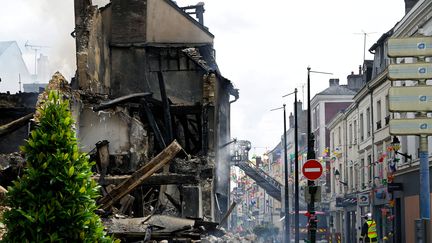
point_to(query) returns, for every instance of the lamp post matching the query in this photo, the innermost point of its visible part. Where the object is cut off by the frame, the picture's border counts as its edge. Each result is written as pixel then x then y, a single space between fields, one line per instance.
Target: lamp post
pixel 287 221
pixel 296 175
pixel 311 155
pixel 396 146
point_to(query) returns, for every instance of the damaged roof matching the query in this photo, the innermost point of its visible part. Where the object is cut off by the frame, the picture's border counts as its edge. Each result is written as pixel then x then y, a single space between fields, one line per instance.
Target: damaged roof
pixel 203 56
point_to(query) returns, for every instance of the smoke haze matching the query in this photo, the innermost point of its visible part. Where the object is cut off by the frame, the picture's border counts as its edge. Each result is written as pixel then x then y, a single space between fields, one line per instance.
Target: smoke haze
pixel 46 23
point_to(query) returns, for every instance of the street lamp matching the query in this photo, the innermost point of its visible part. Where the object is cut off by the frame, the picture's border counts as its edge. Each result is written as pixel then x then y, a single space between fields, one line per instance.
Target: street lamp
pixel 395 144
pixel 337 177
pixel 287 238
pixel 311 155
pixel 296 169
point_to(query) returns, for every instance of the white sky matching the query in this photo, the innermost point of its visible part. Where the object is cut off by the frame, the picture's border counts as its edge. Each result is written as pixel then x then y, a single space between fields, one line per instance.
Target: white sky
pixel 264 47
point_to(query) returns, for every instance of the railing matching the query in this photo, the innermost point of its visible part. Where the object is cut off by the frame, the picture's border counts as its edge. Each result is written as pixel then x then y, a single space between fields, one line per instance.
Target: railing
pixel 378 124
pixel 263 174
pixel 387 120
pixel 265 181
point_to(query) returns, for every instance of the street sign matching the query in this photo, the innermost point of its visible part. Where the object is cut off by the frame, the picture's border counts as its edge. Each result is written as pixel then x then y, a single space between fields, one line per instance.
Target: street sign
pixel 410 47
pixel 410 98
pixel 317 195
pixel 312 169
pixel 414 126
pixel 410 71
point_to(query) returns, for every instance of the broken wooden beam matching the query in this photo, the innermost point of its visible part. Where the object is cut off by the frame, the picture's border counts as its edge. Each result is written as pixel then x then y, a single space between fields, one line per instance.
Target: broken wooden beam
pixel 153 124
pixel 225 217
pixel 140 175
pixel 154 180
pixel 15 125
pixel 173 202
pixel 120 100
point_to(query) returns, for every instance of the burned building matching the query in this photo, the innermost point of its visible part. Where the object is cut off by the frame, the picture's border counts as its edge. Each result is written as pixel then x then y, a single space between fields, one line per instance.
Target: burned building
pixel 147 75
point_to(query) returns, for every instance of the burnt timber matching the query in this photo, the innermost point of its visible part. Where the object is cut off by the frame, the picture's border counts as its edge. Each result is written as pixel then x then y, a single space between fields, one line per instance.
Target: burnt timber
pixel 147 79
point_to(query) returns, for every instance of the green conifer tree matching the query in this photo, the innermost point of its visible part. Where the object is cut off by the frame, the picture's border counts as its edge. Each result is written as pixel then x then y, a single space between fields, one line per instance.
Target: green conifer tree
pixel 54 200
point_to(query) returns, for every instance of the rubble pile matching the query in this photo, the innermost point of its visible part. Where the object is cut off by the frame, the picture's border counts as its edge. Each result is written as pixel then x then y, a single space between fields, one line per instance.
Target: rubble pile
pixel 11 166
pixel 229 238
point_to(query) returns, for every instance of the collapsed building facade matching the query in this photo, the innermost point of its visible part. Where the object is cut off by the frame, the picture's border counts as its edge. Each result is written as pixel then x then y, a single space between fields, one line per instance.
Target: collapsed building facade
pixel 147 75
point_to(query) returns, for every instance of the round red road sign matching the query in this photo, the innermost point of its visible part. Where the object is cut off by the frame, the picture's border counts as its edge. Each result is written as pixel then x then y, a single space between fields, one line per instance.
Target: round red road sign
pixel 312 169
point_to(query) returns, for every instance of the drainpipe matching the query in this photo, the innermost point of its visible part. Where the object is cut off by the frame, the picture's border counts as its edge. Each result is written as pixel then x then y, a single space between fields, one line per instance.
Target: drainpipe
pixel 346 211
pixel 373 147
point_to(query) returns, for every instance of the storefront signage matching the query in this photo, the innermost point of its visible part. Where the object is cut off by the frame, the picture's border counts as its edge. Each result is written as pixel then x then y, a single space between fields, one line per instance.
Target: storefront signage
pixel 381 196
pixel 391 187
pixel 363 199
pixel 348 201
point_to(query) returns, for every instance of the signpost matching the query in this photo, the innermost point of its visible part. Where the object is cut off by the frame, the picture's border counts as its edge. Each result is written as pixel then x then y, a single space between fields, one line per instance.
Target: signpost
pixel 410 47
pixel 416 100
pixel 413 126
pixel 409 71
pixel 312 170
pixel 410 98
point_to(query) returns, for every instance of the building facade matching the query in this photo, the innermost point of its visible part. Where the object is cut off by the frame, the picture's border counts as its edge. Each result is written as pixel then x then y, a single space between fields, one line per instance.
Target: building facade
pixel 13 70
pixel 385 182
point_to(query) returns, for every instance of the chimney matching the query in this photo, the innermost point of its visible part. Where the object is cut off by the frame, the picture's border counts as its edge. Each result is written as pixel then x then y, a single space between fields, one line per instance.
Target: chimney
pixel 291 120
pixel 360 69
pixel 409 4
pixel 334 82
pixel 299 107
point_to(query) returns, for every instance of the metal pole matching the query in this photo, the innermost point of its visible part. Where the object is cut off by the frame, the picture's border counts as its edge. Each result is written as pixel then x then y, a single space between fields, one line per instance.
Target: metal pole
pixel 287 221
pixel 424 172
pixel 296 171
pixel 310 155
pixel 424 179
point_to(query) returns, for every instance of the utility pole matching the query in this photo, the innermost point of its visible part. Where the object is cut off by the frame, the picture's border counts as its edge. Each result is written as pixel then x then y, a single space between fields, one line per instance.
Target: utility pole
pixel 287 221
pixel 296 176
pixel 296 172
pixel 311 155
pixel 286 200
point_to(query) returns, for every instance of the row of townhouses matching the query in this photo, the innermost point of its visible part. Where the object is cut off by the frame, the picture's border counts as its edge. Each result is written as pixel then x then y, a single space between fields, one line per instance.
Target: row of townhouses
pixel 370 170
pixel 365 168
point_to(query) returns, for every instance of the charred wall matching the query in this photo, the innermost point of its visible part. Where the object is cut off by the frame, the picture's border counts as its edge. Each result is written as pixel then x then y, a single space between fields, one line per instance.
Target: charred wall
pixel 189 98
pixel 13 107
pixel 92 32
pixel 128 21
pixel 135 69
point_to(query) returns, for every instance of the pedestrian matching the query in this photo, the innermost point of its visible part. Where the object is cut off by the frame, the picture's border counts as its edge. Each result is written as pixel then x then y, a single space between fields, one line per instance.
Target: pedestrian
pixel 369 232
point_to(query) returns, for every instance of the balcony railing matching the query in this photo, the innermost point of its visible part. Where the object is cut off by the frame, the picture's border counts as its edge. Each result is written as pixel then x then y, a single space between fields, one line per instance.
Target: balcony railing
pixel 378 124
pixel 387 120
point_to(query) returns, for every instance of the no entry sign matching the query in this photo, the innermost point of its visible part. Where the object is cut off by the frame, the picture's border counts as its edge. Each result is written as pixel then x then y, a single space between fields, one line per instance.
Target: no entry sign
pixel 312 169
